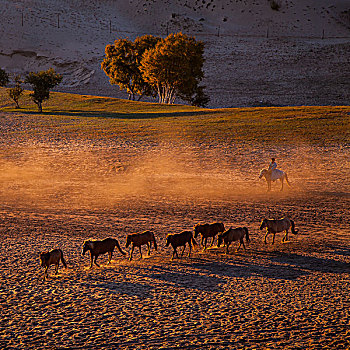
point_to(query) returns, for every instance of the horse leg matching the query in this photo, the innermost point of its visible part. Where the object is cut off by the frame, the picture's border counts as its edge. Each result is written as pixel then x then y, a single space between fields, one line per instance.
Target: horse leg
pixel 189 254
pixel 243 245
pixel 96 256
pixel 109 257
pixel 227 245
pixel 46 275
pixel 92 259
pixel 240 243
pixel 212 241
pixel 285 238
pixel 175 251
pixel 205 243
pixel 140 251
pixel 183 250
pixel 56 267
pixel 131 251
pixel 267 233
pixel 281 184
pixel 149 248
pixel 268 185
pixel 273 240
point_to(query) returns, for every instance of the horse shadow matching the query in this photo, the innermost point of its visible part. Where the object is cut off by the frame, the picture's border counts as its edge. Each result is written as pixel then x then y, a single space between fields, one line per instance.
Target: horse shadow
pixel 246 269
pixel 132 289
pixel 209 275
pixel 188 280
pixel 311 263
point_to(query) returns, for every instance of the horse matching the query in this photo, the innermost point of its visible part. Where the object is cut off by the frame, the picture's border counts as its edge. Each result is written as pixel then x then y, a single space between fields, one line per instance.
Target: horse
pixel 279 225
pixel 52 257
pixel 233 234
pixel 139 239
pixel 97 248
pixel 208 230
pixel 275 175
pixel 180 240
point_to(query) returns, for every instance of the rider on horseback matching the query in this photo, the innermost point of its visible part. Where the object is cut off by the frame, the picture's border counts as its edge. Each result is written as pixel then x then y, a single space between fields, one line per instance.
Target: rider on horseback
pixel 272 166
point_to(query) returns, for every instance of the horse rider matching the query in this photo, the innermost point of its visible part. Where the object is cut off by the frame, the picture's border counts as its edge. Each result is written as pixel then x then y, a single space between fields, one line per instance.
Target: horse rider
pixel 272 166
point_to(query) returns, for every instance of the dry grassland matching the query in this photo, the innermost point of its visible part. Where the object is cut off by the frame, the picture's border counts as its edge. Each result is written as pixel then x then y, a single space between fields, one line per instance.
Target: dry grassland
pixel 93 167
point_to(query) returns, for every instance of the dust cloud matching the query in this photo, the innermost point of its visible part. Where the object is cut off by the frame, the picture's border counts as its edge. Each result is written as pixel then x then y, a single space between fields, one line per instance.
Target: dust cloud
pixel 104 178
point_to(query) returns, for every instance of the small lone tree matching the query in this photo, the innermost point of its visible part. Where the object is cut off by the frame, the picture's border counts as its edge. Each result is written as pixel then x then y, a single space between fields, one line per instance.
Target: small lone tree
pixel 175 68
pixel 4 78
pixel 42 82
pixel 16 92
pixel 122 65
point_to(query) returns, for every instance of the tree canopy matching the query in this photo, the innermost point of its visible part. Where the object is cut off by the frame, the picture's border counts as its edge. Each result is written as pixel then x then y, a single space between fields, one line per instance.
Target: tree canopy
pixel 122 65
pixel 42 82
pixel 170 67
pixel 175 67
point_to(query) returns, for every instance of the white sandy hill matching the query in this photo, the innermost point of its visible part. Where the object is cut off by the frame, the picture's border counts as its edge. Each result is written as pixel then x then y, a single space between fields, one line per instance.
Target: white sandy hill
pixel 70 35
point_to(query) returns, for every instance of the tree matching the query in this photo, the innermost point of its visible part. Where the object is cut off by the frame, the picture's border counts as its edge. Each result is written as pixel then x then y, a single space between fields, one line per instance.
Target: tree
pixel 122 65
pixel 16 92
pixel 175 68
pixel 4 78
pixel 42 82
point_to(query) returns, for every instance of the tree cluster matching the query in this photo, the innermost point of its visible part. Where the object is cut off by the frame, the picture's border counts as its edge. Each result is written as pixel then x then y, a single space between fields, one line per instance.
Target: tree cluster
pixel 42 82
pixel 151 66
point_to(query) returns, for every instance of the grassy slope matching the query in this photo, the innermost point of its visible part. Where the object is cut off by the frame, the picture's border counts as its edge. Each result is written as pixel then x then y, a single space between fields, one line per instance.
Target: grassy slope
pixel 96 117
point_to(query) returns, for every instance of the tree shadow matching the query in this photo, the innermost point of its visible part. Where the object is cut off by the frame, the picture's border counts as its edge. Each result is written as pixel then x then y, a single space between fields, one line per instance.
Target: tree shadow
pixel 118 115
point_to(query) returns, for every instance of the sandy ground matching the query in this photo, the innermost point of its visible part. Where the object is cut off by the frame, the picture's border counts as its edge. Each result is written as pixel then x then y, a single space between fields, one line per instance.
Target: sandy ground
pixel 58 191
pixel 298 55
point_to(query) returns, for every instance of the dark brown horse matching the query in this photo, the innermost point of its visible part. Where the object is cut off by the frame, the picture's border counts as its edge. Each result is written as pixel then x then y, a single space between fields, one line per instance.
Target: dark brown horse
pixel 208 230
pixel 97 248
pixel 139 239
pixel 52 257
pixel 180 240
pixel 233 234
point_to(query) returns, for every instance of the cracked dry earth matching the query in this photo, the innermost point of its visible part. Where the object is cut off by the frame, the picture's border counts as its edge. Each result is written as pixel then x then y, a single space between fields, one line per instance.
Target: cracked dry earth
pixel 57 193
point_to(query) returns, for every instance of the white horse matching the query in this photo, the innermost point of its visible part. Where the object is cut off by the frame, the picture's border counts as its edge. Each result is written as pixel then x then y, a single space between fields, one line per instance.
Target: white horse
pixel 275 175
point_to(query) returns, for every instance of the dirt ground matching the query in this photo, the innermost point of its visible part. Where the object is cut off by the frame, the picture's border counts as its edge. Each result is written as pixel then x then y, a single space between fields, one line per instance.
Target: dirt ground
pixel 56 192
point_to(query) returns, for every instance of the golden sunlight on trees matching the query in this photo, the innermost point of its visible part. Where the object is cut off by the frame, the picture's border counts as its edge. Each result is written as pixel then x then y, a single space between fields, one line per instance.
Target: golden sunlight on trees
pixel 175 68
pixel 42 82
pixel 150 66
pixel 122 65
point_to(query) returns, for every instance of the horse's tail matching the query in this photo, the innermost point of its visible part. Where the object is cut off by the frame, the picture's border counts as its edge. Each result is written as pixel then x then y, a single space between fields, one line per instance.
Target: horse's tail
pixel 154 241
pixel 62 259
pixel 246 234
pixel 294 231
pixel 118 246
pixel 287 180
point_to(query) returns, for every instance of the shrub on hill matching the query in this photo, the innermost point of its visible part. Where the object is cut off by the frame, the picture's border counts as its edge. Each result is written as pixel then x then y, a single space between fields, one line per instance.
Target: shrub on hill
pixel 275 5
pixel 42 82
pixel 16 92
pixel 4 78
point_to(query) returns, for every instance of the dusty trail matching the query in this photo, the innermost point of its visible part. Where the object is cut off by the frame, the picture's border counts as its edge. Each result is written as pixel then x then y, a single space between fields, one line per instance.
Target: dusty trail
pixel 57 194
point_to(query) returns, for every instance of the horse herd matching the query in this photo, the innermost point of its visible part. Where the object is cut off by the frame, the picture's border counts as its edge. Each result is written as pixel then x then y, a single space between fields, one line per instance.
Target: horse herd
pixel 99 247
